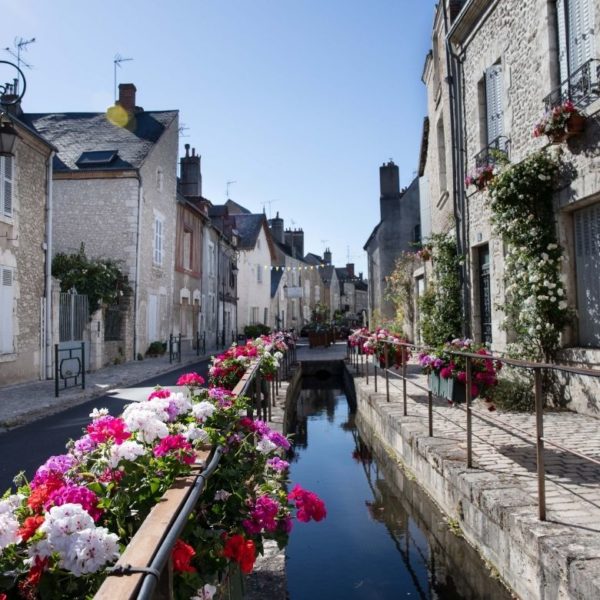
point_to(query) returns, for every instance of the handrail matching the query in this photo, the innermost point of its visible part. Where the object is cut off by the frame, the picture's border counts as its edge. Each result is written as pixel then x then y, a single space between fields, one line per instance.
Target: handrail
pixel 537 367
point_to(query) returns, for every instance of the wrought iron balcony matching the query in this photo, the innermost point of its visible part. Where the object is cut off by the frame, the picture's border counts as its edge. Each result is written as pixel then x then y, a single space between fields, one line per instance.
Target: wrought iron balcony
pixel 581 88
pixel 496 152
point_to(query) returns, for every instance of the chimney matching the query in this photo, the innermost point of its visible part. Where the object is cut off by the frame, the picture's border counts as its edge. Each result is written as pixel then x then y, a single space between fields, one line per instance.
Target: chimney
pixel 190 174
pixel 9 99
pixel 350 269
pixel 389 184
pixel 294 238
pixel 327 256
pixel 127 96
pixel 276 226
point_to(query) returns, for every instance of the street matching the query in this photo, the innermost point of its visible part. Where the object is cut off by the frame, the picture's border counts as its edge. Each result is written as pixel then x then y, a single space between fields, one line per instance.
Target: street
pixel 26 448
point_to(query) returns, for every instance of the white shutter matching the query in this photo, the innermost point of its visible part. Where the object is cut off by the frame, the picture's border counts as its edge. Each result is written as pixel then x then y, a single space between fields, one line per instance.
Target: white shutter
pixel 6 181
pixel 6 311
pixel 587 250
pixel 581 33
pixel 562 39
pixel 495 113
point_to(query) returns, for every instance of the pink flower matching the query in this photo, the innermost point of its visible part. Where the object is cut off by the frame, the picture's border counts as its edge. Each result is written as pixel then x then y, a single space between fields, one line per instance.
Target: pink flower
pixel 308 505
pixel 108 428
pixel 263 516
pixel 160 393
pixel 191 380
pixel 446 373
pixel 75 494
pixel 177 446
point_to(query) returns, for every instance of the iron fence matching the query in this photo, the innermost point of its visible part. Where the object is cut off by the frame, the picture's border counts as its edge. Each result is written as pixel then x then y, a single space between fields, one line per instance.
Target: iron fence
pixel 113 322
pixel 582 87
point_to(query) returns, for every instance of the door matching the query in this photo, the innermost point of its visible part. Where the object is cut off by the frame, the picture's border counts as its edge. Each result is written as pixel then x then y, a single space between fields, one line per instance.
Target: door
pixel 485 296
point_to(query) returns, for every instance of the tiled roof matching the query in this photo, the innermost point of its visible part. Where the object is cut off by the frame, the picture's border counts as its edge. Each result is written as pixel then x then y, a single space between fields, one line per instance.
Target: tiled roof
pixel 76 133
pixel 276 276
pixel 248 227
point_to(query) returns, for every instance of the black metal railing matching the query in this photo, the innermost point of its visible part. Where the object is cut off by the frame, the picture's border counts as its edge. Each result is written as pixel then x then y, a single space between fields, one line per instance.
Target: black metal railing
pixel 69 366
pixel 582 87
pixel 200 343
pixel 361 364
pixel 496 152
pixel 175 348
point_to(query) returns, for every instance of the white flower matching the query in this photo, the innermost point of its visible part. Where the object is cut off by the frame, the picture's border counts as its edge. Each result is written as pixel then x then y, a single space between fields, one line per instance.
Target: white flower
pixel 562 305
pixel 560 291
pixel 552 246
pixel 89 550
pixel 128 450
pixel 203 410
pixel 265 446
pixel 278 355
pixel 9 530
pixel 99 412
pixel 193 433
pixel 222 495
pixel 181 402
pixel 545 257
pixel 205 593
pixel 142 419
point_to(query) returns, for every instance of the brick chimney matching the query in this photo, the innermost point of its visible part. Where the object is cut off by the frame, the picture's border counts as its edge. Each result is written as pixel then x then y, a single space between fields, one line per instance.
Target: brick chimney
pixel 276 226
pixel 127 96
pixel 327 256
pixel 350 269
pixel 190 174
pixel 389 182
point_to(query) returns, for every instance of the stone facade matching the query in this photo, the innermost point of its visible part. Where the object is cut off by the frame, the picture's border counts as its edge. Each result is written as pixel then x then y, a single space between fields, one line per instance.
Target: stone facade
pixel 22 261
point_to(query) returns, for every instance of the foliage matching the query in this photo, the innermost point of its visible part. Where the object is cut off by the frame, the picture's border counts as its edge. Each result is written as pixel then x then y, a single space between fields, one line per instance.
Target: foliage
pixel 156 348
pixel 447 362
pixel 535 305
pixel 400 289
pixel 60 532
pixel 440 304
pixel 376 343
pixel 101 280
pixel 555 119
pixel 320 313
pixel 255 331
pixel 515 392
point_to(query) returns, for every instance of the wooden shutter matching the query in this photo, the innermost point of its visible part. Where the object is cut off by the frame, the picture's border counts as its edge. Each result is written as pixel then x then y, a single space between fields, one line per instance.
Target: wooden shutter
pixel 587 250
pixel 562 39
pixel 6 311
pixel 6 180
pixel 580 33
pixel 493 92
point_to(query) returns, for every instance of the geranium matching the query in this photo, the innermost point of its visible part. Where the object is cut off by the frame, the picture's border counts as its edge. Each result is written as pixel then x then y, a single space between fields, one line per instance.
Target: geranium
pixel 181 555
pixel 241 550
pixel 556 119
pixel 480 177
pixel 191 380
pixel 176 446
pixel 55 466
pixel 75 494
pixel 308 504
pixel 263 516
pixel 30 526
pixel 108 428
pixel 380 341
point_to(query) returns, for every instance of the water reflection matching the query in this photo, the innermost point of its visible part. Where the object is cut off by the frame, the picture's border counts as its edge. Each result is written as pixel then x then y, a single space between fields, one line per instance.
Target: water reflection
pixel 383 537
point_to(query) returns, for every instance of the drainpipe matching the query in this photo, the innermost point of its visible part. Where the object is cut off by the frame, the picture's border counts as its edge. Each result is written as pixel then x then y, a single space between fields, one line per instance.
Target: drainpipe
pixel 455 83
pixel 218 282
pixel 48 321
pixel 136 295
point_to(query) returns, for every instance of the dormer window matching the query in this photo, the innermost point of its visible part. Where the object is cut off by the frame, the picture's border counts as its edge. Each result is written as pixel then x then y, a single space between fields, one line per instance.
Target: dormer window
pixel 97 159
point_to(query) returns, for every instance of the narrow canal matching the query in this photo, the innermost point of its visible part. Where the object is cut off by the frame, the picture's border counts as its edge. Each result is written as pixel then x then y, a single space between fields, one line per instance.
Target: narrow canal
pixel 383 538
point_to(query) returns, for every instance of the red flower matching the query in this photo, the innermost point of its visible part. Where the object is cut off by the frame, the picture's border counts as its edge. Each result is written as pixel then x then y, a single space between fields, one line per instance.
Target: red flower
pixel 308 505
pixel 191 379
pixel 29 527
pixel 181 556
pixel 242 551
pixel 40 495
pixel 160 393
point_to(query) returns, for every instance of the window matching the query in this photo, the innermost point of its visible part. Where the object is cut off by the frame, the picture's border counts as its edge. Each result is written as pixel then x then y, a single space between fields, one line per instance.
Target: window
pixel 441 148
pixel 6 310
pixel 575 35
pixel 6 186
pixel 259 274
pixel 159 240
pixel 266 316
pixel 494 104
pixel 254 315
pixel 187 250
pixel 212 260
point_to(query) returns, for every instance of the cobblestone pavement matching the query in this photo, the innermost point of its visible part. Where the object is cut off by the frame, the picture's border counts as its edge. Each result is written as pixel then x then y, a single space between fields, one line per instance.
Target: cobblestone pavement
pixel 572 483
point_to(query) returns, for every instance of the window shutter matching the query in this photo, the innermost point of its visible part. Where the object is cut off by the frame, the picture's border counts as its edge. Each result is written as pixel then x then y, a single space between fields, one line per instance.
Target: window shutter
pixel 6 179
pixel 493 91
pixel 562 39
pixel 580 33
pixel 6 310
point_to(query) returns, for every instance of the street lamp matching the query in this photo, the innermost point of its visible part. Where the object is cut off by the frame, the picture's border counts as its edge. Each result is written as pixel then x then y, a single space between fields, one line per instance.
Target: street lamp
pixel 9 96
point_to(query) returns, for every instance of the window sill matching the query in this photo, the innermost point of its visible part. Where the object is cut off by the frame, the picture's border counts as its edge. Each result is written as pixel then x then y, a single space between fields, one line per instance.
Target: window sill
pixel 8 357
pixel 7 220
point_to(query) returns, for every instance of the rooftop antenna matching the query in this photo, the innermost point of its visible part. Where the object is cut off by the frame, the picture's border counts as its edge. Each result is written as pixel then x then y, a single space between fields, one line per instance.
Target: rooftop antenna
pixel 227 189
pixel 117 61
pixel 20 44
pixel 269 202
pixel 182 130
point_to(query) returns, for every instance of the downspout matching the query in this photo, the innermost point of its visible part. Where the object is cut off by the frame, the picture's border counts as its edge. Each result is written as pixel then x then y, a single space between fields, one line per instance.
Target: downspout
pixel 455 81
pixel 218 282
pixel 136 295
pixel 48 321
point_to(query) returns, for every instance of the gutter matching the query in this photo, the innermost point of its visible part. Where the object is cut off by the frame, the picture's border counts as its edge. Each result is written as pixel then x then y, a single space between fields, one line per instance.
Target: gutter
pixel 136 296
pixel 48 321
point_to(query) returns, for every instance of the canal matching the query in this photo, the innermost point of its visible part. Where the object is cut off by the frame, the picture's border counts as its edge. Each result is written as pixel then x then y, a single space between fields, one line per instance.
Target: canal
pixel 383 537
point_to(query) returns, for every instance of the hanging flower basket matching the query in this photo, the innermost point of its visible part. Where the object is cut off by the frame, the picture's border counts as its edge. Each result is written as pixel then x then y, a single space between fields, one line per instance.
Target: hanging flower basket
pixel 560 123
pixel 480 177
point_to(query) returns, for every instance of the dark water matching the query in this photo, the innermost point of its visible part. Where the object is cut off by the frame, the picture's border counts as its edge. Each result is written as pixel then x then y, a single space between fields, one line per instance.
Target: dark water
pixel 383 538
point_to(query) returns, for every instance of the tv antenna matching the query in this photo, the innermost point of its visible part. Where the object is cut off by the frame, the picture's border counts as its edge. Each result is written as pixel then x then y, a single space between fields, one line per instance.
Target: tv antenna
pixel 269 202
pixel 21 45
pixel 117 61
pixel 227 189
pixel 182 130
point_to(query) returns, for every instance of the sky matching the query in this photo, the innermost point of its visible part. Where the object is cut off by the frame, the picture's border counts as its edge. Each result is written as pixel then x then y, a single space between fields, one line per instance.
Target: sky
pixel 296 101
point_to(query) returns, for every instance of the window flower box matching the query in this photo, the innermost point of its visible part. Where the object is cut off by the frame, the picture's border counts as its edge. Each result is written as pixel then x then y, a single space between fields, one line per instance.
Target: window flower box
pixel 560 123
pixel 480 177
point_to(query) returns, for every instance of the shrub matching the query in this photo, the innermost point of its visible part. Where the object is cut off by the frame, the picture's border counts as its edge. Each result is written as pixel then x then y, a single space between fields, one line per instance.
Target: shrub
pixel 254 331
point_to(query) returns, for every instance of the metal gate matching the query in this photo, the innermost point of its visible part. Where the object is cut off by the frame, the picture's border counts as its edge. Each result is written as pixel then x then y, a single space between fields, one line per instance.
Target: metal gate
pixel 73 315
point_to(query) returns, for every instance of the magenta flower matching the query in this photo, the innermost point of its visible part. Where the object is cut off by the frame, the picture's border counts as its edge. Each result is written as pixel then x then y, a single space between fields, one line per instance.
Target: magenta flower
pixel 160 393
pixel 308 505
pixel 278 464
pixel 108 428
pixel 263 516
pixel 54 466
pixel 191 380
pixel 177 446
pixel 75 494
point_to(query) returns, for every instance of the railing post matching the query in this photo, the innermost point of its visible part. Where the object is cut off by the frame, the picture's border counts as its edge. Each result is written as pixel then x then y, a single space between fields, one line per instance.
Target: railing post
pixel 387 375
pixel 83 365
pixel 375 373
pixel 362 362
pixel 56 370
pixel 468 389
pixel 170 348
pixel 539 430
pixel 203 342
pixel 367 368
pixel 404 359
pixel 179 348
pixel 430 411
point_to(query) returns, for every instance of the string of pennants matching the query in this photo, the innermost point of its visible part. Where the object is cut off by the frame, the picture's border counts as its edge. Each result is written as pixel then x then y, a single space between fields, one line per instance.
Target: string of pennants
pixel 305 268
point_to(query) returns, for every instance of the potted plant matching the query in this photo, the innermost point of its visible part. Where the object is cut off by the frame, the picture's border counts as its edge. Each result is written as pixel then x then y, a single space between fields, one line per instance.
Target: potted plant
pixel 448 371
pixel 376 345
pixel 480 177
pixel 560 123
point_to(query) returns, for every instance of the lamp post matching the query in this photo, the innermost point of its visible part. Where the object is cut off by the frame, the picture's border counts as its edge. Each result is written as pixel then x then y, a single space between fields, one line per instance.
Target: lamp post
pixel 9 96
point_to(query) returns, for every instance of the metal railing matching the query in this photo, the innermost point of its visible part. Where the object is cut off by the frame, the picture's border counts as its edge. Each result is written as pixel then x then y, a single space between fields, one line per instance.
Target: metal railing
pixel 361 366
pixel 582 87
pixel 497 151
pixel 175 348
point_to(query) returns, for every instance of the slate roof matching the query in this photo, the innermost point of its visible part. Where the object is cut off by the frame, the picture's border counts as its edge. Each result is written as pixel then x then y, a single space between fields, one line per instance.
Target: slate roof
pixel 75 133
pixel 248 227
pixel 372 236
pixel 236 209
pixel 313 259
pixel 276 276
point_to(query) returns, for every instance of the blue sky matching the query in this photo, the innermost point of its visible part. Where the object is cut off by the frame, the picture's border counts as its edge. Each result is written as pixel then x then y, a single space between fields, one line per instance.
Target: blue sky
pixel 298 101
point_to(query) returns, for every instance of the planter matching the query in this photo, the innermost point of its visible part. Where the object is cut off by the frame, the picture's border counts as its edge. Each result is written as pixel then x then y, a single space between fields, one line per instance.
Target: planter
pixel 447 388
pixel 575 125
pixel 393 361
pixel 318 339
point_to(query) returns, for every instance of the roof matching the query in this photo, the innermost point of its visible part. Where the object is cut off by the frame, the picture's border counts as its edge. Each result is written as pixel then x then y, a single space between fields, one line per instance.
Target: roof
pixel 327 273
pixel 287 250
pixel 236 209
pixel 276 276
pixel 75 134
pixel 313 259
pixel 248 228
pixel 373 234
pixel 424 146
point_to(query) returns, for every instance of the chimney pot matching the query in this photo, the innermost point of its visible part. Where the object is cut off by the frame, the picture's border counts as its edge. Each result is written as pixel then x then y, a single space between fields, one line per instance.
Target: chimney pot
pixel 127 96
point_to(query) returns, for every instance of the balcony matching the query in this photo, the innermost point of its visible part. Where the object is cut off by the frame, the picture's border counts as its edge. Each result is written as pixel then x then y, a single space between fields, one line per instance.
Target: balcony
pixel 582 87
pixel 497 152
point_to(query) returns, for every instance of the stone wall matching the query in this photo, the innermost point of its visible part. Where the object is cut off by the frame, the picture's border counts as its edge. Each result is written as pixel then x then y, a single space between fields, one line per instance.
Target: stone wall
pixel 22 240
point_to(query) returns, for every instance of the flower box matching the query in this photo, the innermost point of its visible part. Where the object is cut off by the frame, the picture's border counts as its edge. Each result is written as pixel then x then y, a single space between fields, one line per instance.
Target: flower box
pixel 560 123
pixel 451 389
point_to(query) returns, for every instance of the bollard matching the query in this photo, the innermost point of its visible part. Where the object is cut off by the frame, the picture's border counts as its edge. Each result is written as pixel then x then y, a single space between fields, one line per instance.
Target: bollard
pixel 468 384
pixel 430 411
pixel 539 431
pixel 179 348
pixel 170 348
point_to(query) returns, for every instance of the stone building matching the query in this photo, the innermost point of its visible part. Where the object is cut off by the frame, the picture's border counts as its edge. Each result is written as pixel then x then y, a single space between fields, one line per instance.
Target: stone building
pixel 114 189
pixel 26 335
pixel 327 284
pixel 354 299
pixel 397 231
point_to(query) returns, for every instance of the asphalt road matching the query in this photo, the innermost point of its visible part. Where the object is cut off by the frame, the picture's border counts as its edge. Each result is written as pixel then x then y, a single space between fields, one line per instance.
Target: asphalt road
pixel 27 447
